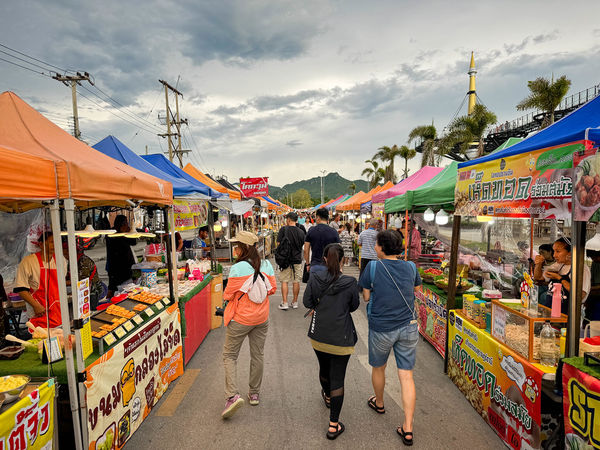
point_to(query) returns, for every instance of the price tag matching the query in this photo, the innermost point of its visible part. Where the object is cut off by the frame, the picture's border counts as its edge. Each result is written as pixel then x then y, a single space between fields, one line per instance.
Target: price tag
pixel 120 332
pixel 138 320
pixel 149 312
pixel 128 325
pixel 166 301
pixel 109 339
pixel 499 323
pixel 159 305
pixel 52 350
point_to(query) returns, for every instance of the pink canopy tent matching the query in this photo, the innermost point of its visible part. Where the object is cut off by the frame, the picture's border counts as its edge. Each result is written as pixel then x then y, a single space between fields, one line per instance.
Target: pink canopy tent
pixel 411 183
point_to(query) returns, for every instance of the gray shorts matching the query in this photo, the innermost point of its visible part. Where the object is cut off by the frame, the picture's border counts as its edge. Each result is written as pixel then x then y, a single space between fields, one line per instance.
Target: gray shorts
pixel 403 340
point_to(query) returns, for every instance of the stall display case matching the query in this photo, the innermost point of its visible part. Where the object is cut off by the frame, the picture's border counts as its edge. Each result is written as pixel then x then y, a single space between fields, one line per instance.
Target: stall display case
pixel 519 328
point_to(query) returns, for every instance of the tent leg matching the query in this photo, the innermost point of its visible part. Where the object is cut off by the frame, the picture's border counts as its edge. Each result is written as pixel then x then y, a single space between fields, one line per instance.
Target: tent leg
pixel 452 280
pixel 172 254
pixel 70 216
pixel 574 320
pixel 64 311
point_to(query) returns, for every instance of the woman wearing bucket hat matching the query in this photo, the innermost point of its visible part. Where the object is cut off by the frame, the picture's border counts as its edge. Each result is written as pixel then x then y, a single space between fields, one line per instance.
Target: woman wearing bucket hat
pixel 250 283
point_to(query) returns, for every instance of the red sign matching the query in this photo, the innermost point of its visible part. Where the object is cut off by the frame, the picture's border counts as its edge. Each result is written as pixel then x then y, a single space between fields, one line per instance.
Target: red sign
pixel 254 187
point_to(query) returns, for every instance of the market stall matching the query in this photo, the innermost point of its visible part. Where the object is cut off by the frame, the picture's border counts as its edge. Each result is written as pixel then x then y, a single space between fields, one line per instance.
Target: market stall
pixel 70 173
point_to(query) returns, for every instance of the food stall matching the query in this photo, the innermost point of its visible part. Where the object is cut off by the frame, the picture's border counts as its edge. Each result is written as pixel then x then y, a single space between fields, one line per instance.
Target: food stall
pixel 548 176
pixel 66 170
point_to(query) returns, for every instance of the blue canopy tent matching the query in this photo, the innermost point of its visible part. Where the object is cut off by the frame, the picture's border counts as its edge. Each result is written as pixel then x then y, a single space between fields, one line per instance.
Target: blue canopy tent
pixel 162 163
pixel 114 148
pixel 583 123
pixel 267 199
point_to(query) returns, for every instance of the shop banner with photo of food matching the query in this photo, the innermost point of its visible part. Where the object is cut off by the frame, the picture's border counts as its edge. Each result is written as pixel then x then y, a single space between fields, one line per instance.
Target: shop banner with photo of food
pixel 190 214
pixel 377 210
pixel 581 402
pixel 532 184
pixel 254 187
pixel 432 318
pixel 586 183
pixel 502 386
pixel 126 382
pixel 29 423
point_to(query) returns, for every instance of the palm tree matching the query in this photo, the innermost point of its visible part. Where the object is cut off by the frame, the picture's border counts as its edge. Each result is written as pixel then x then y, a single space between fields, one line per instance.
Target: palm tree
pixel 406 154
pixel 545 95
pixel 352 187
pixel 465 130
pixel 388 155
pixel 374 173
pixel 427 134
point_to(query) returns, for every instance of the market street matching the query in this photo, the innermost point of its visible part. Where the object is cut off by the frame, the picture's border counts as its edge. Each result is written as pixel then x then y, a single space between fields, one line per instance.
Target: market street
pixel 291 413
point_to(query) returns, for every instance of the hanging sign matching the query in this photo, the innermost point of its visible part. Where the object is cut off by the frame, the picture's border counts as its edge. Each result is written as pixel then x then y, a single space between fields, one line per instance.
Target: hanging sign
pixel 190 214
pixel 432 317
pixel 254 187
pixel 531 184
pixel 586 183
pixel 377 210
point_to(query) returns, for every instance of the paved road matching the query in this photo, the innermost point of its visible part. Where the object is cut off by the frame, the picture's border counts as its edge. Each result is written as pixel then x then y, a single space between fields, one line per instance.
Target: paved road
pixel 291 414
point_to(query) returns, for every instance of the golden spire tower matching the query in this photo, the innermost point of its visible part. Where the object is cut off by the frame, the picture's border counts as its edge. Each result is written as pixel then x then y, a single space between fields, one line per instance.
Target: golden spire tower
pixel 472 95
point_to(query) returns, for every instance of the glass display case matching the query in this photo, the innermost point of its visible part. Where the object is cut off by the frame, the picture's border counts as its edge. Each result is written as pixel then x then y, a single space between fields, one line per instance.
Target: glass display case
pixel 519 328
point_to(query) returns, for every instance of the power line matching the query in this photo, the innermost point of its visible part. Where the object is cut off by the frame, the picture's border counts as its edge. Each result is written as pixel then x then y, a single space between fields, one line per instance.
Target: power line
pixel 148 115
pixel 35 59
pixel 26 68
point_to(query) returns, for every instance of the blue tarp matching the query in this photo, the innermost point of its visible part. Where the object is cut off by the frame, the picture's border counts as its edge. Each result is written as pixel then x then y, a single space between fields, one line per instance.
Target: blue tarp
pixel 267 199
pixel 114 148
pixel 581 124
pixel 161 162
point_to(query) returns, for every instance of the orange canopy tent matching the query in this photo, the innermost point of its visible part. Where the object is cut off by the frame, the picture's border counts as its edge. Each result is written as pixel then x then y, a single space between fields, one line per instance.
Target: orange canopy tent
pixel 198 175
pixel 361 197
pixel 345 206
pixel 39 162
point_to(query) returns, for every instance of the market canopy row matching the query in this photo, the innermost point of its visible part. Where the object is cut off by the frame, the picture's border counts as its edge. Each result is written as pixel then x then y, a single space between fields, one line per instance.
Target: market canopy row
pixel 205 179
pixel 410 183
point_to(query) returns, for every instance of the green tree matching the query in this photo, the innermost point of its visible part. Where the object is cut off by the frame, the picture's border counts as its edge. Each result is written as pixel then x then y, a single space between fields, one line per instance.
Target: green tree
pixel 546 95
pixel 465 130
pixel 406 154
pixel 427 134
pixel 352 187
pixel 374 173
pixel 301 199
pixel 388 155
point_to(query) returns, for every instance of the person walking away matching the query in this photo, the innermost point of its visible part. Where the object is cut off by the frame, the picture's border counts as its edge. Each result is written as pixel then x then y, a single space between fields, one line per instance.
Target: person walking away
pixel 288 255
pixel 347 241
pixel 366 241
pixel 250 283
pixel 317 238
pixel 332 296
pixel 335 223
pixel 388 286
pixel 119 257
pixel 415 240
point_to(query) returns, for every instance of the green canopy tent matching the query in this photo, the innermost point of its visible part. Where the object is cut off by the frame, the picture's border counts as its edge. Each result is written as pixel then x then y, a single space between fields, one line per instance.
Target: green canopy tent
pixel 437 192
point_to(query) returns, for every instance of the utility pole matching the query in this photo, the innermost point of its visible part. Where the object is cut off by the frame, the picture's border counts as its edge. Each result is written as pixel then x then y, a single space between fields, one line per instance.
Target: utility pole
pixel 323 172
pixel 73 81
pixel 175 121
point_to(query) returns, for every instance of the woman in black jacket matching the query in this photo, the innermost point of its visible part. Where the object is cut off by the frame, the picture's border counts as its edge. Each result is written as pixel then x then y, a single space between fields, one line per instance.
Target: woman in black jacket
pixel 331 297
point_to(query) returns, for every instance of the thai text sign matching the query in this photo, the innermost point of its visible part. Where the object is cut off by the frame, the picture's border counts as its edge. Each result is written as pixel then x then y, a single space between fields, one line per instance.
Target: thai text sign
pixel 126 382
pixel 431 310
pixel 190 214
pixel 532 184
pixel 581 402
pixel 254 187
pixel 29 423
pixel 503 387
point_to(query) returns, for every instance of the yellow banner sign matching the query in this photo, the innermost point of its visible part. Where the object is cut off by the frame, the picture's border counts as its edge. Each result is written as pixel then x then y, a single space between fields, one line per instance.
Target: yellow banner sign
pixel 29 423
pixel 190 214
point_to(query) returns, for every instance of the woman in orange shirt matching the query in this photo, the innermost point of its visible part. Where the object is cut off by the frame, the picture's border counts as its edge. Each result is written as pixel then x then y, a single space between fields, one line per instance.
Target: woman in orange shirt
pixel 250 283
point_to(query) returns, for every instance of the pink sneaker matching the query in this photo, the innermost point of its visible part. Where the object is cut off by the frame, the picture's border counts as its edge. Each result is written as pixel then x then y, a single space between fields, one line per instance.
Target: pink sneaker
pixel 232 405
pixel 253 399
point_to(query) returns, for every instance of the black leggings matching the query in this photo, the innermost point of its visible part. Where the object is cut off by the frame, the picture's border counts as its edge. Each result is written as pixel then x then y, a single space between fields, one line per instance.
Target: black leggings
pixel 332 371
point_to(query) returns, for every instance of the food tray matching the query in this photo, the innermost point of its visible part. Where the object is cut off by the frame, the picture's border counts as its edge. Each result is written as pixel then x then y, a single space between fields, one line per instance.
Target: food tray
pixel 130 304
pixel 103 316
pixel 95 325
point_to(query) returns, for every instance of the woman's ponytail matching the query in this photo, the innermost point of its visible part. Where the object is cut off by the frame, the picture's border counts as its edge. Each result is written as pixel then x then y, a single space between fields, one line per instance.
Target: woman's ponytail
pixel 333 254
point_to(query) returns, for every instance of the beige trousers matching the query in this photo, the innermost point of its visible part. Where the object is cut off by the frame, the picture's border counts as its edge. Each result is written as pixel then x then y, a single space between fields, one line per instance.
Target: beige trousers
pixel 234 337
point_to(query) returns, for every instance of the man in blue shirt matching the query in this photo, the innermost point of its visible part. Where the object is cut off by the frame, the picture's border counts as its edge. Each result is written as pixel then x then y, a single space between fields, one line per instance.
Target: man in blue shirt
pixel 317 238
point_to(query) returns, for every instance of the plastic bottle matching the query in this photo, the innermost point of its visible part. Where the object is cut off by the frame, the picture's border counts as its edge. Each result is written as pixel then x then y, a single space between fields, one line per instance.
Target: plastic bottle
pixel 548 345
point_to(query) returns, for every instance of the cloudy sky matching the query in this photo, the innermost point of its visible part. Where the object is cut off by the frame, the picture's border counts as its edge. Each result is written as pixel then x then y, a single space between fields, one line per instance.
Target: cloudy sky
pixel 286 88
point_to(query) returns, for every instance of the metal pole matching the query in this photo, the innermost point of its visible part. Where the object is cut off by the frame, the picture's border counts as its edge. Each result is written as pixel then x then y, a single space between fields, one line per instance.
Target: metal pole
pixel 577 262
pixel 450 300
pixel 172 274
pixel 73 265
pixel 66 323
pixel 75 114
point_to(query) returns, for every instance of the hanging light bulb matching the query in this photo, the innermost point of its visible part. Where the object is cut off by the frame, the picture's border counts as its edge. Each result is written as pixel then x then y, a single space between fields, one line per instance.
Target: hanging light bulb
pixel 441 218
pixel 224 223
pixel 428 215
pixel 358 220
pixel 368 216
pixel 217 227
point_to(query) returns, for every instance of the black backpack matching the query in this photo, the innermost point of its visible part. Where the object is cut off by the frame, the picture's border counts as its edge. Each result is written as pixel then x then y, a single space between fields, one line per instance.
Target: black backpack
pixel 283 252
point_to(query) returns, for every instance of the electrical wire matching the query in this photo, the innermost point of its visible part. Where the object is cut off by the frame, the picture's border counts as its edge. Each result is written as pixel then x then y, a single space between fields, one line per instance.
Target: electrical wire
pixel 26 68
pixel 35 59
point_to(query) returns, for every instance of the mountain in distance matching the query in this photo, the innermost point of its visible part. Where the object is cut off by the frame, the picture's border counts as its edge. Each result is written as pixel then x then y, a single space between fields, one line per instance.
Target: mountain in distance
pixel 334 185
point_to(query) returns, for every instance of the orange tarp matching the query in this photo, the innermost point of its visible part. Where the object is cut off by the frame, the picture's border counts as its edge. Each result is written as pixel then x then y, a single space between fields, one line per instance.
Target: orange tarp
pixel 192 171
pixel 359 198
pixel 39 161
pixel 345 206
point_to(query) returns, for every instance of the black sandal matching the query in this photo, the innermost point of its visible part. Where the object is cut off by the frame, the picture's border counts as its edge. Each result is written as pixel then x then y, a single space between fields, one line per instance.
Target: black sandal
pixel 373 405
pixel 326 399
pixel 340 429
pixel 404 434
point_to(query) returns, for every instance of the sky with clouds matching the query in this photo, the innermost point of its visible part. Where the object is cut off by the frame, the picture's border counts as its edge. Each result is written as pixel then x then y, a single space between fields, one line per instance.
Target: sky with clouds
pixel 286 88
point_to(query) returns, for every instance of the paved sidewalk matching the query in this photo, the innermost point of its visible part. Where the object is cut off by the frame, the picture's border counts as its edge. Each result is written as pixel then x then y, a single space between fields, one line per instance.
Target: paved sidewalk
pixel 291 414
